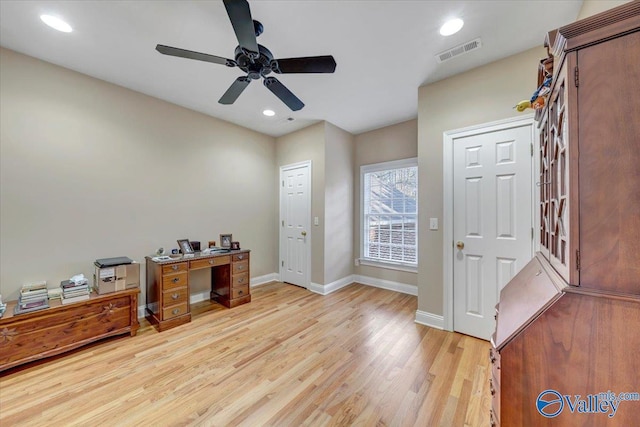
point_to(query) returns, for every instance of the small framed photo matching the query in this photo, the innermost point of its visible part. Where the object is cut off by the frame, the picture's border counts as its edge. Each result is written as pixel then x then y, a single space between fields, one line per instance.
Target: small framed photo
pixel 225 241
pixel 235 246
pixel 185 246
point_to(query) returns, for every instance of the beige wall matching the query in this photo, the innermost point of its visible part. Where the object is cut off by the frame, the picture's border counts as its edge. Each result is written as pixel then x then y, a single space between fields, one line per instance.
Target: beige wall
pixel 478 96
pixel 303 145
pixel 394 142
pixel 338 245
pixel 591 7
pixel 92 170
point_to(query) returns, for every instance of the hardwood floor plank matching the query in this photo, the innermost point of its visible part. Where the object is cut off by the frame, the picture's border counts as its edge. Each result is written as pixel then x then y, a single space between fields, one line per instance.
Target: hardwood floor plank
pixel 289 358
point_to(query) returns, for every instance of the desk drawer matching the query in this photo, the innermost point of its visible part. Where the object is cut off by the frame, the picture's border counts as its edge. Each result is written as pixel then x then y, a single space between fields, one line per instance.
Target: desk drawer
pixel 240 257
pixel 240 267
pixel 174 268
pixel 239 291
pixel 175 311
pixel 240 280
pixel 171 281
pixel 210 262
pixel 175 296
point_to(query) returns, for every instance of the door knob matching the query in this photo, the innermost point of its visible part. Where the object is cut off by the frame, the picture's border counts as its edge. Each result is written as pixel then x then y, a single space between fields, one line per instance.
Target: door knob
pixel 304 233
pixel 460 245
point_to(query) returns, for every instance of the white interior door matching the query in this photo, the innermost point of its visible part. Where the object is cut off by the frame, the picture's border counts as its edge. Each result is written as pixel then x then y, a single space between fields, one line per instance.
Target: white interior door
pixel 295 221
pixel 492 221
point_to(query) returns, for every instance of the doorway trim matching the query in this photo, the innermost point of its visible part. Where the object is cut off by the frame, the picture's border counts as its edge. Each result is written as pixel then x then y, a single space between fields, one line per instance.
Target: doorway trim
pixel 308 164
pixel 448 138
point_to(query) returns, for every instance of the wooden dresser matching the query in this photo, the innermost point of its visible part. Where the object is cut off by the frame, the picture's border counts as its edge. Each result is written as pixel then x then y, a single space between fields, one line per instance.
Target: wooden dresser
pixel 60 328
pixel 168 285
pixel 568 325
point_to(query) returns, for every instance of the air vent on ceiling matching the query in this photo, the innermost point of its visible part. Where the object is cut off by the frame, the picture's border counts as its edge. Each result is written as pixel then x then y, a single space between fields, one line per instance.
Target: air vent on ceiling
pixel 459 50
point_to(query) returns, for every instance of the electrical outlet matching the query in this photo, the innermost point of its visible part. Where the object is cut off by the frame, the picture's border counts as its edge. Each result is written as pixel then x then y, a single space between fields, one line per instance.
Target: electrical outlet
pixel 356 262
pixel 433 223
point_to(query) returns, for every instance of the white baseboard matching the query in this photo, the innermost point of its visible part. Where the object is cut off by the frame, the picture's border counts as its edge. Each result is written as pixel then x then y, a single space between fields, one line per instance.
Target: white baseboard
pixel 331 287
pixel 386 284
pixel 263 280
pixel 429 319
pixel 424 318
pixel 204 296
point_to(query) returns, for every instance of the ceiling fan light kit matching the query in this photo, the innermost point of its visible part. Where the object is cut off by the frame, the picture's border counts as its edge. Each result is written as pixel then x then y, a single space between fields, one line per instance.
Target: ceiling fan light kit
pixel 255 60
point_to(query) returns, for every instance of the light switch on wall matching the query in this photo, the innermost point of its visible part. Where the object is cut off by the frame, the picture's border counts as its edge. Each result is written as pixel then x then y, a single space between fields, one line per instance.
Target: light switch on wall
pixel 433 223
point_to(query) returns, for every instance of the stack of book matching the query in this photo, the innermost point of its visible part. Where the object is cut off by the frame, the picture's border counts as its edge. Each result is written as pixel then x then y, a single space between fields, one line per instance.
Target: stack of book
pixel 75 289
pixel 32 297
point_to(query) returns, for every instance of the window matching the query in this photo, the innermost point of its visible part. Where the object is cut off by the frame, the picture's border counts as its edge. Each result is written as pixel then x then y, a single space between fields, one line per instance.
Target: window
pixel 389 195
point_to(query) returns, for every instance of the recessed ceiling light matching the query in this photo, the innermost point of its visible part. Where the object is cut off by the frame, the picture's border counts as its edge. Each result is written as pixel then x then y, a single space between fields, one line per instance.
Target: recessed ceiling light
pixel 269 113
pixel 56 23
pixel 451 27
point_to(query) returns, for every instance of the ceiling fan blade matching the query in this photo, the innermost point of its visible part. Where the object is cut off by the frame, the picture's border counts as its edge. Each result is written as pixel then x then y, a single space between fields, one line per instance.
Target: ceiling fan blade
pixel 283 93
pixel 235 90
pixel 240 17
pixel 308 64
pixel 183 53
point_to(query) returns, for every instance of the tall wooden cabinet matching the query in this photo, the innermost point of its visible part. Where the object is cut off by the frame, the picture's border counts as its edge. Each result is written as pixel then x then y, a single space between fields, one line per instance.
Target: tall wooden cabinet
pixel 568 325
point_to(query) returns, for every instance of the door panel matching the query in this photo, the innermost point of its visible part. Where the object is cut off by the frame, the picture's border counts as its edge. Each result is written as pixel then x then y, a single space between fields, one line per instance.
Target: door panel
pixel 492 222
pixel 295 208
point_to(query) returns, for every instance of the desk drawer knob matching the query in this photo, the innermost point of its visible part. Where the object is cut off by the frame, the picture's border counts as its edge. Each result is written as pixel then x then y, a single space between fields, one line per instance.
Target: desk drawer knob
pixel 174 267
pixel 211 261
pixel 176 280
pixel 175 311
pixel 241 267
pixel 240 256
pixel 240 292
pixel 241 280
pixel 175 296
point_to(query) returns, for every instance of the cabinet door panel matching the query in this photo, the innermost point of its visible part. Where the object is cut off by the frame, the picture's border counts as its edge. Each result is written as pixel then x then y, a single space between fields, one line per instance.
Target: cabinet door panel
pixel 609 164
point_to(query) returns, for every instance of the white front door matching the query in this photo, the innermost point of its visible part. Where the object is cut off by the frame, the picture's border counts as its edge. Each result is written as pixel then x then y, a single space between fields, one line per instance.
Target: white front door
pixel 492 221
pixel 295 221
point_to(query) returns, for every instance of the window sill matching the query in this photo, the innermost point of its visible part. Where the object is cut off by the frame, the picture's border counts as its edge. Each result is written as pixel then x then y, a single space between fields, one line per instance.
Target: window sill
pixel 388 266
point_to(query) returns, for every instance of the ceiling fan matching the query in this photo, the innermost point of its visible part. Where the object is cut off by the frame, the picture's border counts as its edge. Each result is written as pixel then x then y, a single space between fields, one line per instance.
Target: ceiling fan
pixel 256 60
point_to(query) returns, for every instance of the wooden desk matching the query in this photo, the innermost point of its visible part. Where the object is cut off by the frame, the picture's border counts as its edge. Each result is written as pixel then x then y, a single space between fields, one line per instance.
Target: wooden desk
pixel 60 328
pixel 168 285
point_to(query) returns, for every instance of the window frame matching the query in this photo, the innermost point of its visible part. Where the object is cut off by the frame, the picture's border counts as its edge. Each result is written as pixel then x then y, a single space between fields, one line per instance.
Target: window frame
pixel 376 167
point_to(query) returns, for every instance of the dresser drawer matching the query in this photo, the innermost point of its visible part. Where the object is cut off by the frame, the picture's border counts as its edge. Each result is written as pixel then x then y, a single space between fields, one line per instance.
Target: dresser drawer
pixel 209 262
pixel 240 257
pixel 240 280
pixel 175 311
pixel 240 267
pixel 175 296
pixel 174 268
pixel 174 280
pixel 239 292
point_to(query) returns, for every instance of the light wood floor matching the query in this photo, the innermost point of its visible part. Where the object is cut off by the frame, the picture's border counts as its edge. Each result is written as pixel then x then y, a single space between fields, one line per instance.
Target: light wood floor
pixel 289 358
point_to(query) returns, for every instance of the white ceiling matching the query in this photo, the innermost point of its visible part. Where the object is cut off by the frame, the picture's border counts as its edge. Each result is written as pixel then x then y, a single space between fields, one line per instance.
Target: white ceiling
pixel 384 50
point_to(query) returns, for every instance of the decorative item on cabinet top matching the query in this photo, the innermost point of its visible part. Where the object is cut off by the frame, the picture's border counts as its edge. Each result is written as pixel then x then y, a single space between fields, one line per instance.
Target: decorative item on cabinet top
pixel 225 241
pixel 185 246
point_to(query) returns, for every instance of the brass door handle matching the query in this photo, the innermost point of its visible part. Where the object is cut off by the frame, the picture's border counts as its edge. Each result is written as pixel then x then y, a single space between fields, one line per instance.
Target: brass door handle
pixel 460 245
pixel 304 233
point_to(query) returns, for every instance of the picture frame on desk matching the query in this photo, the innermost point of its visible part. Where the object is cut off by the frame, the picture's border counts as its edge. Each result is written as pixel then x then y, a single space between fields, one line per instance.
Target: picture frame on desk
pixel 185 246
pixel 225 241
